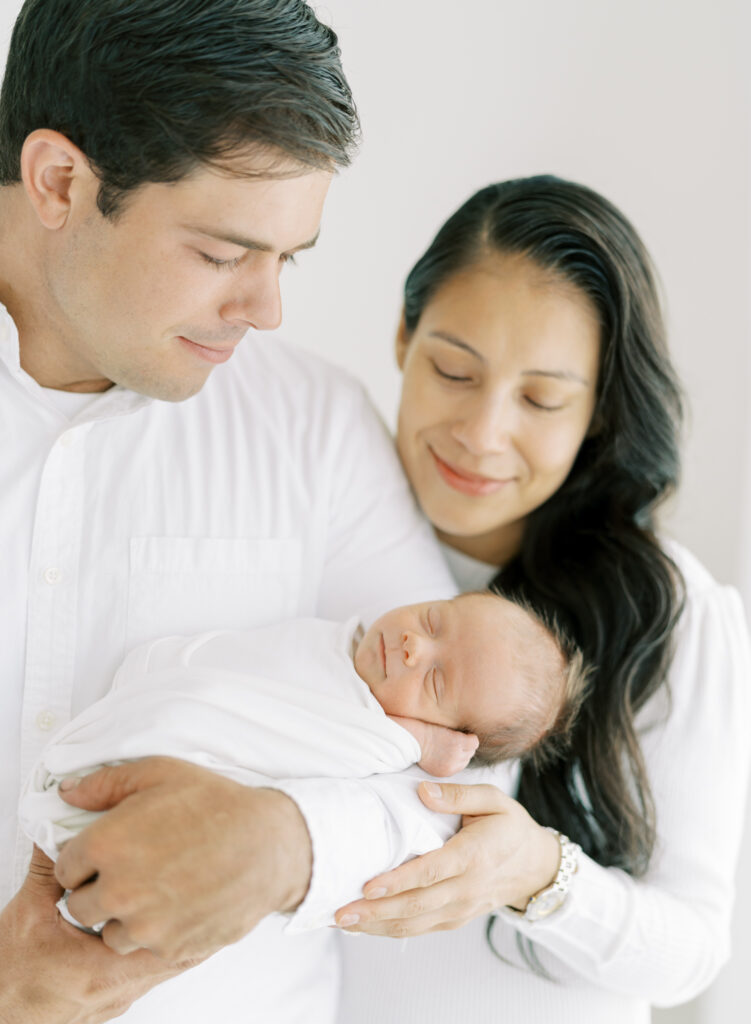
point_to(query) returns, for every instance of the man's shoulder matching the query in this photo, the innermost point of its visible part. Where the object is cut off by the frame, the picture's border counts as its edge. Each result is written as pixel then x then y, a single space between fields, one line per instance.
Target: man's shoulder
pixel 267 367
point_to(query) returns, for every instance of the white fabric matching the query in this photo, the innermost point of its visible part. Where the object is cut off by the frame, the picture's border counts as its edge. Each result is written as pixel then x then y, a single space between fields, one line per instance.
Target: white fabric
pixel 617 945
pixel 279 701
pixel 271 494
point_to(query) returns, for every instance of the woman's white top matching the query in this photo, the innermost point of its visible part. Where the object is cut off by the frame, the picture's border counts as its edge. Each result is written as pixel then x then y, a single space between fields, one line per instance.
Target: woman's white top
pixel 618 944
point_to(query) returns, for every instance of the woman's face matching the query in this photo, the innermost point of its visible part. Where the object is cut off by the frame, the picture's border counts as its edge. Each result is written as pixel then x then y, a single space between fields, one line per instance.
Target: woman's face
pixel 498 394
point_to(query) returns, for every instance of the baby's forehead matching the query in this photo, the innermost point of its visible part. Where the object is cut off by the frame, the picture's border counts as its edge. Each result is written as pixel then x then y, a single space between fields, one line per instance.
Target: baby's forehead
pixel 491 607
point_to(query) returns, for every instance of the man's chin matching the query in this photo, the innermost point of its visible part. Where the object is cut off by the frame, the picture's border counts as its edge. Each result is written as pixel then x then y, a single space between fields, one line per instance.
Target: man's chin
pixel 166 389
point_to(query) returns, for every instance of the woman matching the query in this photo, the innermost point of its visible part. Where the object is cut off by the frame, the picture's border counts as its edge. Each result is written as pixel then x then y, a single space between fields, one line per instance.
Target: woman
pixel 538 426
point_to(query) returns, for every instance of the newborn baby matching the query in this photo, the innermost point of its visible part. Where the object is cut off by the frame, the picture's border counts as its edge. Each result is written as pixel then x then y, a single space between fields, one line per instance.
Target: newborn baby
pixel 314 698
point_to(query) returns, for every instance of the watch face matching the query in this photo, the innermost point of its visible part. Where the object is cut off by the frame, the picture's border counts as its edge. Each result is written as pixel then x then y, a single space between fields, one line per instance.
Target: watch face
pixel 545 904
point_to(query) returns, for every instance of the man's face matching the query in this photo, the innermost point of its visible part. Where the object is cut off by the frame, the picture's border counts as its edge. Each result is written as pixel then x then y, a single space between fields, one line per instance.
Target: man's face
pixel 157 298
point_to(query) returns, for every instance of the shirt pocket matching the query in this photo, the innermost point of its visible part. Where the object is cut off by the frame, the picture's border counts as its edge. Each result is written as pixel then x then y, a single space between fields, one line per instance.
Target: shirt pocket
pixel 184 585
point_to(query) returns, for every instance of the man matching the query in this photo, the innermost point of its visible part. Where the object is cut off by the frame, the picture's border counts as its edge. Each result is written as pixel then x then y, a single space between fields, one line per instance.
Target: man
pixel 160 161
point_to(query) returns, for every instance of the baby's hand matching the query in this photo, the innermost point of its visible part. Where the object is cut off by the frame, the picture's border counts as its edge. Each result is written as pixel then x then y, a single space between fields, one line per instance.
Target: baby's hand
pixel 444 751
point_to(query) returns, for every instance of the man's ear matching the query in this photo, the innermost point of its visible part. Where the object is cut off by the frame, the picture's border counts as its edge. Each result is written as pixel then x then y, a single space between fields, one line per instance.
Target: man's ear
pixel 402 341
pixel 52 170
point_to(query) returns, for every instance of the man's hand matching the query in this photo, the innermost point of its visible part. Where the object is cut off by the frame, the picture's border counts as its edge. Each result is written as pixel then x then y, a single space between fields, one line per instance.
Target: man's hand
pixel 499 857
pixel 52 973
pixel 185 862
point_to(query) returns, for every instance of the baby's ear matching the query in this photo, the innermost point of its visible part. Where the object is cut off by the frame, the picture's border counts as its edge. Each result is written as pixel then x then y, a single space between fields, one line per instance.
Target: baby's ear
pixel 444 751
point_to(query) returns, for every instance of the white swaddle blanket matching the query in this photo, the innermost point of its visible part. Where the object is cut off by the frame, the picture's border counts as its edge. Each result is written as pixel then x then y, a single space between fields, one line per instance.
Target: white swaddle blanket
pixel 277 702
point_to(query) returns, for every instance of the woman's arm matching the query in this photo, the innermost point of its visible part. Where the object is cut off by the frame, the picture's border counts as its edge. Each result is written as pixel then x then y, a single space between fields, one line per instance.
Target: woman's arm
pixel 664 937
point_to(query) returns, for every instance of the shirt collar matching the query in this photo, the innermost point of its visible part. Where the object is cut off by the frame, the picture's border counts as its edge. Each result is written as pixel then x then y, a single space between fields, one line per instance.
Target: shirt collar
pixel 117 401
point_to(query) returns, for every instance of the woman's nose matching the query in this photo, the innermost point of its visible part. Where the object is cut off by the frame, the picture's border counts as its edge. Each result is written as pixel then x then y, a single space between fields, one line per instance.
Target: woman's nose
pixel 486 426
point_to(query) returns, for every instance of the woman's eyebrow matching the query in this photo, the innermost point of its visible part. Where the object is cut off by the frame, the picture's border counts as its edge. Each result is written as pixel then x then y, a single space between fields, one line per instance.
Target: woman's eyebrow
pixel 453 340
pixel 557 375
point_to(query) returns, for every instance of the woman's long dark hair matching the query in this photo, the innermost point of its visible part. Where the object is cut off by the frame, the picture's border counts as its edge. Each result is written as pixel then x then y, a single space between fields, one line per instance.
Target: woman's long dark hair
pixel 589 556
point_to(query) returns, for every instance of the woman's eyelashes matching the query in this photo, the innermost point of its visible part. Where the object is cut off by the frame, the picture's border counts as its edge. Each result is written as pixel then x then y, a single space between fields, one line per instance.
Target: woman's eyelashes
pixel 445 375
pixel 543 406
pixel 551 405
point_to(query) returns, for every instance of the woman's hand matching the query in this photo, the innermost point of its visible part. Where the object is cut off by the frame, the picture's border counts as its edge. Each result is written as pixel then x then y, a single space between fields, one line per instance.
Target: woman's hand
pixel 500 857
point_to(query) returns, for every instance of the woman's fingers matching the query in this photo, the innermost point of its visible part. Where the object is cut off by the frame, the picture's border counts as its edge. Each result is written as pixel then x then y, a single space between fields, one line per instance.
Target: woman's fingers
pixel 451 798
pixel 422 872
pixel 447 887
pixel 451 859
pixel 409 913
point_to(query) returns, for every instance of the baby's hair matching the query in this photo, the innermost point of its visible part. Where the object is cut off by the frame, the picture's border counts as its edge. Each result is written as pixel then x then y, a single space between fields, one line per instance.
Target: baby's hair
pixel 557 682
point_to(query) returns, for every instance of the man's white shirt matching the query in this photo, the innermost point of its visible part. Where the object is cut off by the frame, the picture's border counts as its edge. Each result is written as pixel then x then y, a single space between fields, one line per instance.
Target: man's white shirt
pixel 273 493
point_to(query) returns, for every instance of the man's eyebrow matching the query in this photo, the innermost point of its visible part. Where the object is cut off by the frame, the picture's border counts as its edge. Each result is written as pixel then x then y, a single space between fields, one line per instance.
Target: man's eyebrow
pixel 254 244
pixel 453 340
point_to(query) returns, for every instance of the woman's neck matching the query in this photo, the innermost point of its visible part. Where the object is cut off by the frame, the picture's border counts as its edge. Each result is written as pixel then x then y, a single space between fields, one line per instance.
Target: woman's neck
pixel 495 548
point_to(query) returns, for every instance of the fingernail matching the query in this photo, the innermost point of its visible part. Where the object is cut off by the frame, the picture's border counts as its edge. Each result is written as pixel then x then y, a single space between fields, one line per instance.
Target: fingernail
pixel 348 920
pixel 434 790
pixel 374 894
pixel 67 784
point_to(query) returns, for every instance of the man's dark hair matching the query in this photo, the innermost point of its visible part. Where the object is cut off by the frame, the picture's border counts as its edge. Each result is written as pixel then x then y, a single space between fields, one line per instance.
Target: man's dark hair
pixel 151 89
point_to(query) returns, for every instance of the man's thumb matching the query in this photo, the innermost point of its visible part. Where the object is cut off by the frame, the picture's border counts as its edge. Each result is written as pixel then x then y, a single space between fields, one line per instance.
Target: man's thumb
pixel 40 878
pixel 103 788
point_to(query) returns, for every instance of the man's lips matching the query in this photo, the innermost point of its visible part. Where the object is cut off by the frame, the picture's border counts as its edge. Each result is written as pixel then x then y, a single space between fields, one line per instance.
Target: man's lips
pixel 218 354
pixel 465 482
pixel 382 651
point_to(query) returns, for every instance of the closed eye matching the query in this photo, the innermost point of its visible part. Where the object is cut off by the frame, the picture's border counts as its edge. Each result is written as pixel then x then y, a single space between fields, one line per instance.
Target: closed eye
pixel 448 376
pixel 539 405
pixel 429 622
pixel 436 683
pixel 220 264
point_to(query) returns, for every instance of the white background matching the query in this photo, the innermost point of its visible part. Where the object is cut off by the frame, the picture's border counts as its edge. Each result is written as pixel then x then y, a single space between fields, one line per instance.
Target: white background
pixel 648 102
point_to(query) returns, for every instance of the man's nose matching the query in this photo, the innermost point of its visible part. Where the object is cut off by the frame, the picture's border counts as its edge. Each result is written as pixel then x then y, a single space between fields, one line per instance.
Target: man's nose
pixel 256 300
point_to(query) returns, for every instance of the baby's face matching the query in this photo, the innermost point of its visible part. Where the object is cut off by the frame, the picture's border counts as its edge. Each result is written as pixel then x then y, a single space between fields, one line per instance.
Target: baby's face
pixel 446 662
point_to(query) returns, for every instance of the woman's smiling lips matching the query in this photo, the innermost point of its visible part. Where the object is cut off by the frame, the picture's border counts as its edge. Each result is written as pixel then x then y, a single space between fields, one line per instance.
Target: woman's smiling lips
pixel 466 483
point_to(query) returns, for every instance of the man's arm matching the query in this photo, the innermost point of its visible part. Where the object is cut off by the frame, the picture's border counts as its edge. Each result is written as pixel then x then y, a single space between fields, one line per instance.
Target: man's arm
pixel 53 973
pixel 178 892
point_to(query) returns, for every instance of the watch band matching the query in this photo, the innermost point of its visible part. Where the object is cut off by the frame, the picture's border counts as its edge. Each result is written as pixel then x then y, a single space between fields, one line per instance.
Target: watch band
pixel 553 896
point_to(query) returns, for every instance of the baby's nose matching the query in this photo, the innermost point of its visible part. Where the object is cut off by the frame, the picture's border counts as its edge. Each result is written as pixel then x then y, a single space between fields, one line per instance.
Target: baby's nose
pixel 410 649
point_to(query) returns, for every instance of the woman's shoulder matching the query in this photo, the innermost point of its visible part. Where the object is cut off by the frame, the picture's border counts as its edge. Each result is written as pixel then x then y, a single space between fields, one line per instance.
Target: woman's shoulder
pixel 697 578
pixel 711 655
pixel 713 625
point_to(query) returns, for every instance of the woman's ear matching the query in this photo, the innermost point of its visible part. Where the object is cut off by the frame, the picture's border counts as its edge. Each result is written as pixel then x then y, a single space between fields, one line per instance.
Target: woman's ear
pixel 402 341
pixel 52 169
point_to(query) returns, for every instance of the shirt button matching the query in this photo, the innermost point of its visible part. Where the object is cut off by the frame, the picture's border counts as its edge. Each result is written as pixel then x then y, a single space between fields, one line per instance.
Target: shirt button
pixel 52 575
pixel 45 721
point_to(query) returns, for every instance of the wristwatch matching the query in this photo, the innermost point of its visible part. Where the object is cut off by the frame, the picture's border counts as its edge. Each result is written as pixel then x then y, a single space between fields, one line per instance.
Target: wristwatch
pixel 553 896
